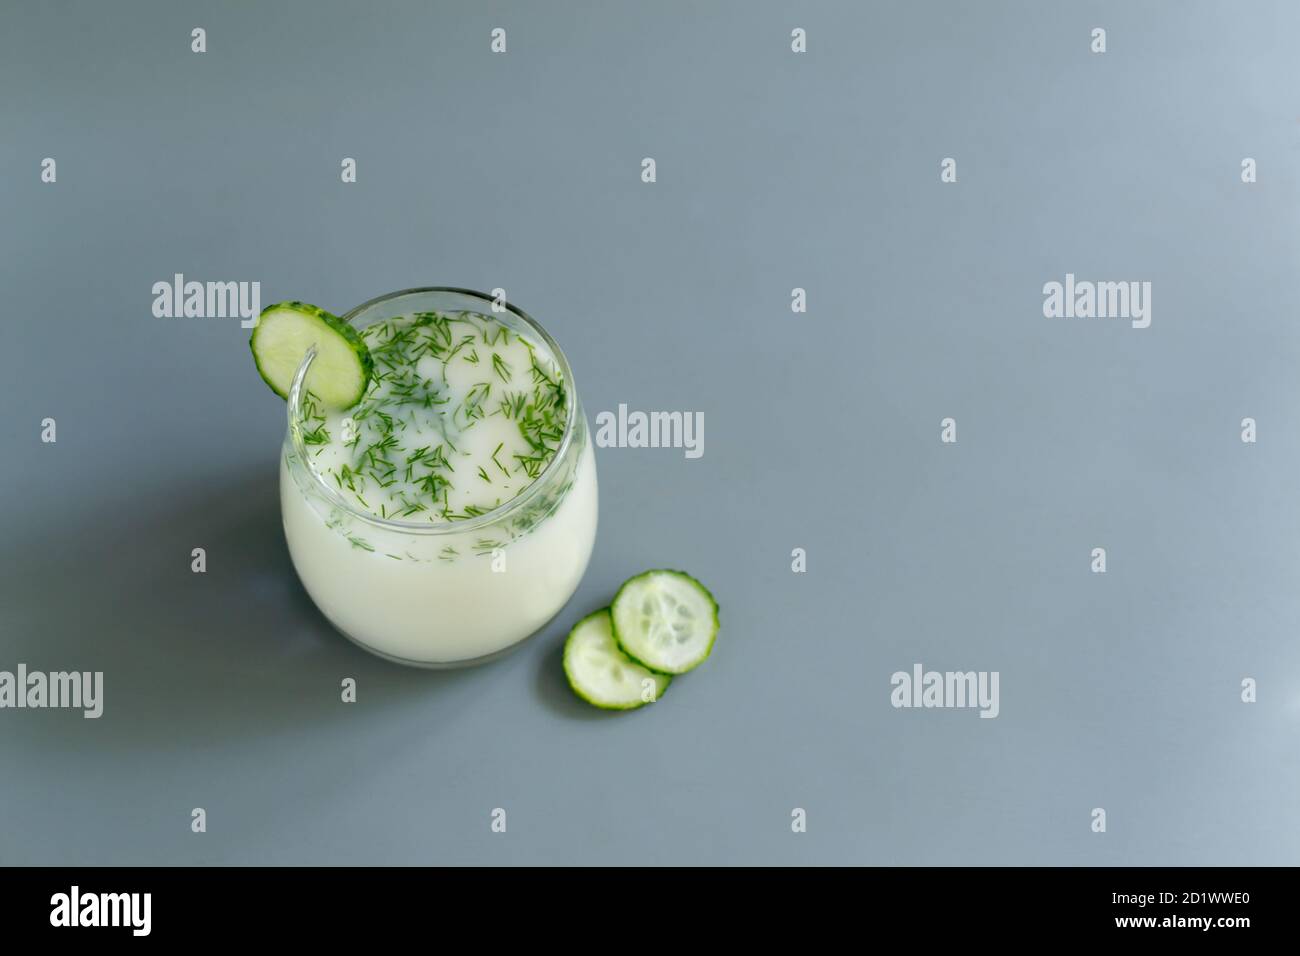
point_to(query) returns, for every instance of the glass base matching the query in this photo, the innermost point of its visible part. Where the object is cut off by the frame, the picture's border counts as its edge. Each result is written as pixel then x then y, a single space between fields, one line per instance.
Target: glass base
pixel 452 665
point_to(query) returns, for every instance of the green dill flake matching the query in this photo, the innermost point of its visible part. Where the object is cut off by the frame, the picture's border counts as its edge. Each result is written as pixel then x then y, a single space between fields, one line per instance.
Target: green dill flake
pixel 456 400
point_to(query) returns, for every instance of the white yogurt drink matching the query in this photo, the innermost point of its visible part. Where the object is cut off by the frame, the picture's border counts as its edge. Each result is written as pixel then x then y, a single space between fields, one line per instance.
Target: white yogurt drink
pixel 450 513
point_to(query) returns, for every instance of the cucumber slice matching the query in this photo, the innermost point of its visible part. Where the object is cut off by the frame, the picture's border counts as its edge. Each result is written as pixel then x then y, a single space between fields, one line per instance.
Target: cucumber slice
pixel 603 675
pixel 665 620
pixel 285 331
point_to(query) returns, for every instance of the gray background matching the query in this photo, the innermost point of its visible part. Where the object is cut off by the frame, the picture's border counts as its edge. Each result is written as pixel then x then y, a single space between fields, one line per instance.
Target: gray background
pixel 822 430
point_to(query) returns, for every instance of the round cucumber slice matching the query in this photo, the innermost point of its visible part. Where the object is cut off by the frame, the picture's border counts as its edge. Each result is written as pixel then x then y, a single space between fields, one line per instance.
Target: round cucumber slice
pixel 285 331
pixel 603 675
pixel 666 620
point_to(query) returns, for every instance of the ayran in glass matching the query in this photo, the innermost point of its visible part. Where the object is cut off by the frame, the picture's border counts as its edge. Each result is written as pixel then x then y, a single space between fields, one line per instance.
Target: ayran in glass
pixel 451 513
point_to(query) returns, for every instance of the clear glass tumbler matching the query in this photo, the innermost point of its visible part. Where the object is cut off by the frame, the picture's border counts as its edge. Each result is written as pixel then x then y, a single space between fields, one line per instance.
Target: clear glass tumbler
pixel 454 593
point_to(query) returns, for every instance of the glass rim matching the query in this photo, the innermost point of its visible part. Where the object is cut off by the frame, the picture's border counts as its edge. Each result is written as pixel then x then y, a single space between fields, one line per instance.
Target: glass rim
pixel 442 527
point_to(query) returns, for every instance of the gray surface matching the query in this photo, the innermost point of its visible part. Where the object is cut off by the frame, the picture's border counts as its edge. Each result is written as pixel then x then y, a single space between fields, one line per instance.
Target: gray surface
pixel 775 170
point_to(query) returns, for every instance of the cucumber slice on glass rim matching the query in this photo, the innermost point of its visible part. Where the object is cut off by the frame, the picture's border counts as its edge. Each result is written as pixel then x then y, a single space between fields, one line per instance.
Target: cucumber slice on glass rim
pixel 665 620
pixel 603 675
pixel 339 373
